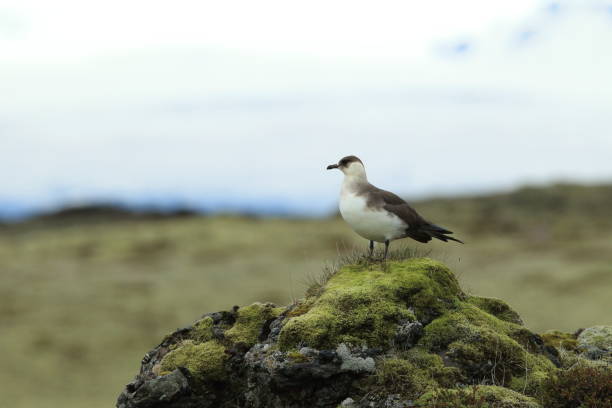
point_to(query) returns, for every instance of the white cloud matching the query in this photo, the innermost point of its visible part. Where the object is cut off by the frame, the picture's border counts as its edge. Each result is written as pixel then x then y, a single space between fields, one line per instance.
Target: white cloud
pixel 73 28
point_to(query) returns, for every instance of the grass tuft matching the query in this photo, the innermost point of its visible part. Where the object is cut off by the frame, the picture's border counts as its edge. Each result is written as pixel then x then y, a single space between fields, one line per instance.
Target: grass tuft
pixel 358 257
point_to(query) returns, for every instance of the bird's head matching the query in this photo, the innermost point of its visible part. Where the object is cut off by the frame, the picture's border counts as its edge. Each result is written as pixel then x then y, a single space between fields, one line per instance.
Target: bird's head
pixel 350 166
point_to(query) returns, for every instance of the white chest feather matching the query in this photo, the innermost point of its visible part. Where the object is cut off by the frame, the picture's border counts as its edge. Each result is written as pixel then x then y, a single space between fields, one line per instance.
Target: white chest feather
pixel 373 224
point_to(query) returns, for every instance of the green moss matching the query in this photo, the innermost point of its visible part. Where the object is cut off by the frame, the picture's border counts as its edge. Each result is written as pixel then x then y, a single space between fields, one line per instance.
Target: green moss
pixel 302 307
pixel 464 322
pixel 482 396
pixel 461 323
pixel 434 367
pixel 362 306
pixel 484 346
pixel 505 396
pixel 202 330
pixel 297 357
pixel 531 382
pixel 412 373
pixel 249 322
pixel 399 376
pixel 488 355
pixel 497 308
pixel 205 361
pixel 421 358
pixel 560 340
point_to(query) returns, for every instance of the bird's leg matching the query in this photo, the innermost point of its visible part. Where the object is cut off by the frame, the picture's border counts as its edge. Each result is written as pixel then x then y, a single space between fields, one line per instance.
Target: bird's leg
pixel 371 248
pixel 386 249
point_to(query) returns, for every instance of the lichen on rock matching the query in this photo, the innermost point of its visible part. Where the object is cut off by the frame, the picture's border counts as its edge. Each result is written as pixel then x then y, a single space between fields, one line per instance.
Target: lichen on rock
pixel 354 363
pixel 394 334
pixel 596 342
pixel 591 347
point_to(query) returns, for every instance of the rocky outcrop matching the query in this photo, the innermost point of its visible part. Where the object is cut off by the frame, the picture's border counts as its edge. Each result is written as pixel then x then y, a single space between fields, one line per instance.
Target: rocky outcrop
pixel 396 334
pixel 596 343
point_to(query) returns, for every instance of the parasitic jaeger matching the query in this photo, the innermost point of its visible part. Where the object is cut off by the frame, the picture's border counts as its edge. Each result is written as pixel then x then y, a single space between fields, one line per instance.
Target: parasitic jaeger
pixel 379 215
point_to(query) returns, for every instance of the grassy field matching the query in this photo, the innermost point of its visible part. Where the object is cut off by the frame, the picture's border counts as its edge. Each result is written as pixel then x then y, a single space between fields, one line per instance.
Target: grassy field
pixel 82 299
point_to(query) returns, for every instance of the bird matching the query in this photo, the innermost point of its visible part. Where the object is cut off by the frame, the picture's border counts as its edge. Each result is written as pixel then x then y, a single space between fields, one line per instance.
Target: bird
pixel 379 215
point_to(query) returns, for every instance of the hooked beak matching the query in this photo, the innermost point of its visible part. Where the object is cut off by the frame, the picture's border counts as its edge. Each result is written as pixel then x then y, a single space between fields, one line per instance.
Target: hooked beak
pixel 332 166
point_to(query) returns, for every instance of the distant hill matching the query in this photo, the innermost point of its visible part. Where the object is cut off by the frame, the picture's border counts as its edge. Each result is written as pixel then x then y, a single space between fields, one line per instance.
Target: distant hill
pixel 104 213
pixel 563 210
pixel 560 210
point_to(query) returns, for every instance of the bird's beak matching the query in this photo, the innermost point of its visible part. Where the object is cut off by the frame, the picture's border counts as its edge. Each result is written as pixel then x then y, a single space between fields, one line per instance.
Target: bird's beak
pixel 332 166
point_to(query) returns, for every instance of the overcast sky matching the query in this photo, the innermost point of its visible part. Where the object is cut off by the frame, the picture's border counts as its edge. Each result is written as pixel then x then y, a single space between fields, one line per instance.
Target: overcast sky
pixel 241 105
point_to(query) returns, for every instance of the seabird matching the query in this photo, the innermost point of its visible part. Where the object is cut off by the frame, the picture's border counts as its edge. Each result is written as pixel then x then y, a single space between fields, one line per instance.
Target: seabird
pixel 379 215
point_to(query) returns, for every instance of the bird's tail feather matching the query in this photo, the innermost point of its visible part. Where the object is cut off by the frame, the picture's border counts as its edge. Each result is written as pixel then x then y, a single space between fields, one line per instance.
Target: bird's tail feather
pixel 441 233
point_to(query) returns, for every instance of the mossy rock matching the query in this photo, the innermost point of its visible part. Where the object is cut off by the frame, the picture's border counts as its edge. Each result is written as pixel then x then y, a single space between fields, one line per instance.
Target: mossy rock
pixel 203 355
pixel 379 333
pixel 497 308
pixel 481 396
pixel 363 306
pixel 202 330
pixel 412 373
pixel 249 322
pixel 596 343
pixel 484 346
pixel 479 338
pixel 205 361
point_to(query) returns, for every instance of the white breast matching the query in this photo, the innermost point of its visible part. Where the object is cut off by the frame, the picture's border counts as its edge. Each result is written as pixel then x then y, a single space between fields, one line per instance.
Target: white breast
pixel 375 225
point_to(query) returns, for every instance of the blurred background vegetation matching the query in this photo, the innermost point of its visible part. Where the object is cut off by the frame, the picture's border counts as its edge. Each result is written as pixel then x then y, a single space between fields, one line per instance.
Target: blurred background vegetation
pixel 87 291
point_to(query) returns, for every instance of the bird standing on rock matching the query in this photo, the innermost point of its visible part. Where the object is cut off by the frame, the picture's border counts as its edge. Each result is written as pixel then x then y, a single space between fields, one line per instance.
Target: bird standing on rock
pixel 379 215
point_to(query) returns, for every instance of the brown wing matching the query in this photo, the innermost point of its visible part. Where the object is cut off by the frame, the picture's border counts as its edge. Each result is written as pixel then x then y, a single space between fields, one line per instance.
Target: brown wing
pixel 417 227
pixel 399 207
